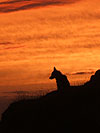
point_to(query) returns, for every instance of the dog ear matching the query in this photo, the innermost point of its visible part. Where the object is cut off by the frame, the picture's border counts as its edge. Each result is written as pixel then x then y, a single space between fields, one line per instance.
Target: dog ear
pixel 55 69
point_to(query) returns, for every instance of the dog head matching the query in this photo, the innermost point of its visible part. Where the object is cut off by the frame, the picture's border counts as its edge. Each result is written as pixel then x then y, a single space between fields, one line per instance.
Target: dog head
pixel 54 74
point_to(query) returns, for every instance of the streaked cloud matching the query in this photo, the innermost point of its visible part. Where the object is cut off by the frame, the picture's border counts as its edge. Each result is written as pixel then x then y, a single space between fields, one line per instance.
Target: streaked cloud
pixel 9 45
pixel 82 73
pixel 5 43
pixel 17 5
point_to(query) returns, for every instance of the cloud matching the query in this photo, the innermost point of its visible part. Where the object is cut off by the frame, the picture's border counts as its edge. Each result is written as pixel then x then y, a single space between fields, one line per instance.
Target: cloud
pixel 19 92
pixel 82 73
pixel 17 5
pixel 5 43
pixel 9 45
pixel 14 47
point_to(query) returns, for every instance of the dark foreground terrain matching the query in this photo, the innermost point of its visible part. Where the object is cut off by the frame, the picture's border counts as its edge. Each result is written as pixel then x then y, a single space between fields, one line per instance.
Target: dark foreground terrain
pixel 76 109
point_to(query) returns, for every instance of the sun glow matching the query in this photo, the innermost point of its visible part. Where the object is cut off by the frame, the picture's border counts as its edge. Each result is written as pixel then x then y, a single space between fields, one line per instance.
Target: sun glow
pixel 33 41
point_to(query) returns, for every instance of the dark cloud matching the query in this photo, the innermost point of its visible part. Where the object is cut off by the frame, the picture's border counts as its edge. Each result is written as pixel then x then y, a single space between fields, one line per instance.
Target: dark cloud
pixel 14 47
pixel 18 92
pixel 16 5
pixel 82 73
pixel 13 1
pixel 8 45
pixel 5 43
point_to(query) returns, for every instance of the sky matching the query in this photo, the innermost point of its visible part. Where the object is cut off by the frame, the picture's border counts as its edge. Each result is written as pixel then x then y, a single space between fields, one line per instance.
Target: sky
pixel 38 35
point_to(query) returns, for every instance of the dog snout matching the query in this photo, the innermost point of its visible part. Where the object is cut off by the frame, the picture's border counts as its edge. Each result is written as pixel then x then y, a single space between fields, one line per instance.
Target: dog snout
pixel 50 77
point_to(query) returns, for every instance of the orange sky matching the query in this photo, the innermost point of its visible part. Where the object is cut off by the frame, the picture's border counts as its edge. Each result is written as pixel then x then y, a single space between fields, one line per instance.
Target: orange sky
pixel 33 41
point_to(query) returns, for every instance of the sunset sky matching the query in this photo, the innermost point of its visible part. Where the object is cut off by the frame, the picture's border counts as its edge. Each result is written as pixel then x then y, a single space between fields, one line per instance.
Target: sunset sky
pixel 36 35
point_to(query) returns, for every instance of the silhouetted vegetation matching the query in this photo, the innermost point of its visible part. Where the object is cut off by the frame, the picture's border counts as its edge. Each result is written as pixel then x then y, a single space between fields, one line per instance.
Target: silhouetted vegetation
pixel 75 109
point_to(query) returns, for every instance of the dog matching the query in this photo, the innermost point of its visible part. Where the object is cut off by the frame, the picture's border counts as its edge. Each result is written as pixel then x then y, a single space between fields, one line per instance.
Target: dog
pixel 61 80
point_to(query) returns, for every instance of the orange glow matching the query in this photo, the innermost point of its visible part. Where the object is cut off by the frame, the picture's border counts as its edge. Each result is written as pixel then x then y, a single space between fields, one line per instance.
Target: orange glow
pixel 33 41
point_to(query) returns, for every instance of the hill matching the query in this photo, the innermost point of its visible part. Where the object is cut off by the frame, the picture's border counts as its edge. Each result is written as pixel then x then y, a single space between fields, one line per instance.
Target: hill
pixel 54 112
pixel 76 109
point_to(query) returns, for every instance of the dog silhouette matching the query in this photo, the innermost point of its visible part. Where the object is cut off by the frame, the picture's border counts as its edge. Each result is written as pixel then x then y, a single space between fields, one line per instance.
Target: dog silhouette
pixel 61 80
